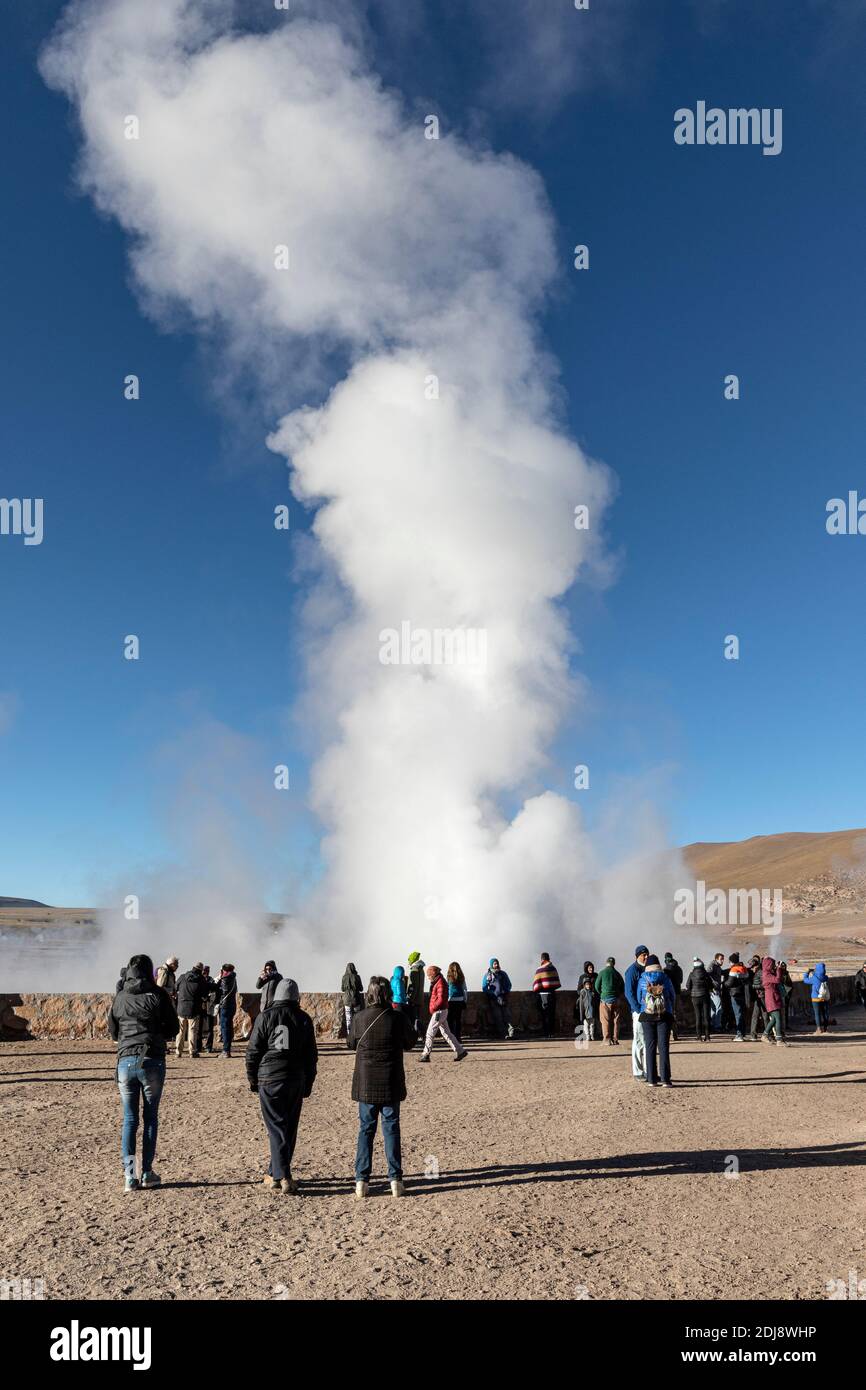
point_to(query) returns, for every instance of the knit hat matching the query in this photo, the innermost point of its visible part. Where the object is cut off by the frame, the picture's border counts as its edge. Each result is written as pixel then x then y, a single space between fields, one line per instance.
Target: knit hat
pixel 668 957
pixel 413 956
pixel 171 960
pixel 610 961
pixel 642 951
pixel 697 961
pixel 651 960
pixel 287 990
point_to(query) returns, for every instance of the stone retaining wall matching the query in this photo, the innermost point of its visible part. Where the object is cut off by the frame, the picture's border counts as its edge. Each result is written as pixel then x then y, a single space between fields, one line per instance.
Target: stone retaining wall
pixel 83 1016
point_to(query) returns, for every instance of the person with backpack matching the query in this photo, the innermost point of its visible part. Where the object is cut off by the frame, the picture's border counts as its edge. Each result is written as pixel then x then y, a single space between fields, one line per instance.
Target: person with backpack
pixel 399 990
pixel 586 1003
pixel 544 987
pixel 439 1017
pixel 657 1001
pixel 771 976
pixel 632 977
pixel 819 982
pixel 759 1010
pixel 415 993
pixel 281 1063
pixel 141 1022
pixel 610 988
pixel 192 989
pixel 496 988
pixel 379 1036
pixel 267 983
pixel 228 1003
pixel 737 985
pixel 699 987
pixel 352 994
pixel 674 972
pixel 458 998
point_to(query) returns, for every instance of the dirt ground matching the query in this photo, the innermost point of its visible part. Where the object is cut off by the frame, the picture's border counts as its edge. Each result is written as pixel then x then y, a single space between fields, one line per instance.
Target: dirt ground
pixel 558 1177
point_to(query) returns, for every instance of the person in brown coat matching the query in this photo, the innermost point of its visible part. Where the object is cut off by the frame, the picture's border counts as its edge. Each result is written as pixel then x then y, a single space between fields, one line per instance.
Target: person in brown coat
pixel 379 1036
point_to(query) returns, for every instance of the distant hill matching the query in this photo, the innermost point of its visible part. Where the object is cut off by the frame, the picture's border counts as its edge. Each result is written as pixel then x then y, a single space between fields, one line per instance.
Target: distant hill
pixel 21 902
pixel 796 860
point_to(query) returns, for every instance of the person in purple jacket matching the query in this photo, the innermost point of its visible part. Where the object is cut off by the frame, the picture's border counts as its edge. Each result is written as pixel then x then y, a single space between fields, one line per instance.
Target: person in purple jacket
pixel 772 975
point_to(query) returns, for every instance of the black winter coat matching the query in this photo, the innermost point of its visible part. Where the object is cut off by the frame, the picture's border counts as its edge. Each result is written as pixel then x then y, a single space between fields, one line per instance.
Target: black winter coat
pixel 192 989
pixel 282 1046
pixel 268 986
pixel 700 982
pixel 228 990
pixel 142 1019
pixel 379 1037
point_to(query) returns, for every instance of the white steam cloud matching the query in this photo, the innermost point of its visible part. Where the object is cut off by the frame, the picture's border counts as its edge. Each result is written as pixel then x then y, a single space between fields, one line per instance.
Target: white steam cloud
pixel 409 259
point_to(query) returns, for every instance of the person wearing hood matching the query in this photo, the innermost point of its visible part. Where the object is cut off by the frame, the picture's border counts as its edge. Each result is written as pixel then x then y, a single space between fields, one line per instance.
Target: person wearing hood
pixel 674 972
pixel 774 1003
pixel 699 986
pixel 737 984
pixel 267 983
pixel 632 978
pixel 759 1010
pixel 415 995
pixel 610 988
pixel 379 1036
pixel 352 993
pixel 496 988
pixel 860 985
pixel 192 989
pixel 458 998
pixel 657 1002
pixel 819 983
pixel 228 1003
pixel 399 990
pixel 586 1003
pixel 281 1063
pixel 166 978
pixel 142 1020
pixel 439 1017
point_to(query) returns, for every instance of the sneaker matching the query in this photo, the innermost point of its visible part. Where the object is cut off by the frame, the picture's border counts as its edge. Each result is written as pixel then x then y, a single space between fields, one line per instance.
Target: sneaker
pixel 461 1055
pixel 289 1185
pixel 270 1183
pixel 150 1179
pixel 398 1187
pixel 510 1031
pixel 738 1037
pixel 131 1184
pixel 362 1190
pixel 638 1078
pixel 764 1038
pixel 425 1057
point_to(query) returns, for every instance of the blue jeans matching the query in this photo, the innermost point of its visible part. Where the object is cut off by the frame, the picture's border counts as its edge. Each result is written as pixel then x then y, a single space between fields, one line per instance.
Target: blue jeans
pixel 139 1077
pixel 739 1013
pixel 369 1115
pixel 821 1010
pixel 656 1036
pixel 227 1018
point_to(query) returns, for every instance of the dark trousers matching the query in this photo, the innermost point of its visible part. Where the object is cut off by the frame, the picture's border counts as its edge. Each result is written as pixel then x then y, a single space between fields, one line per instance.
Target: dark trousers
pixel 759 1016
pixel 547 1008
pixel 455 1017
pixel 369 1119
pixel 207 1023
pixel 227 1019
pixel 701 1006
pixel 657 1037
pixel 500 1015
pixel 739 1008
pixel 281 1103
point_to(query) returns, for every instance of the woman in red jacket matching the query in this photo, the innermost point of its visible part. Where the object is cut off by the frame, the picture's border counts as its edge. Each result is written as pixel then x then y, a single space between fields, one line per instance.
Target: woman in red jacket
pixel 773 999
pixel 439 1016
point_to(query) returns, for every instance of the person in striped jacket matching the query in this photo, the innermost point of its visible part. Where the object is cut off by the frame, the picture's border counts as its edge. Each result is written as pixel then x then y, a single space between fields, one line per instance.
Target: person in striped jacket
pixel 544 986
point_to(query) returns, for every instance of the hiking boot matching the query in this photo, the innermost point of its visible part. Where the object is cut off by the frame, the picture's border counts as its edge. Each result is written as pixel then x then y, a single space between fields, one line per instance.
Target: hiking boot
pixel 270 1183
pixel 425 1057
pixel 362 1190
pixel 150 1179
pixel 461 1055
pixel 289 1185
pixel 398 1187
pixel 131 1184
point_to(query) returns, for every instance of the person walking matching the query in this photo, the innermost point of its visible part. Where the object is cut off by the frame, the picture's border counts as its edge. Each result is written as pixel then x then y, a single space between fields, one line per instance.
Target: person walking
pixel 141 1021
pixel 544 987
pixel 267 983
pixel 610 988
pixel 657 1002
pixel 674 972
pixel 439 1017
pixel 166 978
pixel 352 994
pixel 586 1003
pixel 496 988
pixel 379 1036
pixel 737 984
pixel 415 996
pixel 281 1063
pixel 819 982
pixel 773 1001
pixel 228 1003
pixel 759 1010
pixel 458 998
pixel 399 989
pixel 191 990
pixel 699 987
pixel 632 976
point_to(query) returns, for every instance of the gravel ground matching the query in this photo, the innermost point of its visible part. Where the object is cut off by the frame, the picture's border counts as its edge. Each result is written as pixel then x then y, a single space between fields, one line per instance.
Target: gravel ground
pixel 558 1177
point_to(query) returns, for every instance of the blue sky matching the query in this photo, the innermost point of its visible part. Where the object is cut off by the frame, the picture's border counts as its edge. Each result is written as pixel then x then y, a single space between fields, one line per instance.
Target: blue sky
pixel 703 262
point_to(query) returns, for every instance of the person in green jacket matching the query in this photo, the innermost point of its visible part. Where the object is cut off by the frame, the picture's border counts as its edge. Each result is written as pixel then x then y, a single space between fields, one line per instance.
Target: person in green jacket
pixel 610 988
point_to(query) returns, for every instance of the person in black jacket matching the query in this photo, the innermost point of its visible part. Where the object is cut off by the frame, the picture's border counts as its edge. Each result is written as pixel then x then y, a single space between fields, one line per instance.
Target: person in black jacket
pixel 281 1066
pixel 267 983
pixel 674 972
pixel 699 985
pixel 192 988
pixel 379 1036
pixel 141 1021
pixel 759 1012
pixel 860 985
pixel 228 1003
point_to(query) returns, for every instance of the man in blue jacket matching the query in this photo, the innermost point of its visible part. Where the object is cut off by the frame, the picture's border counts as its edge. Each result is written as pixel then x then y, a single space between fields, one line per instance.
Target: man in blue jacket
pixel 632 975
